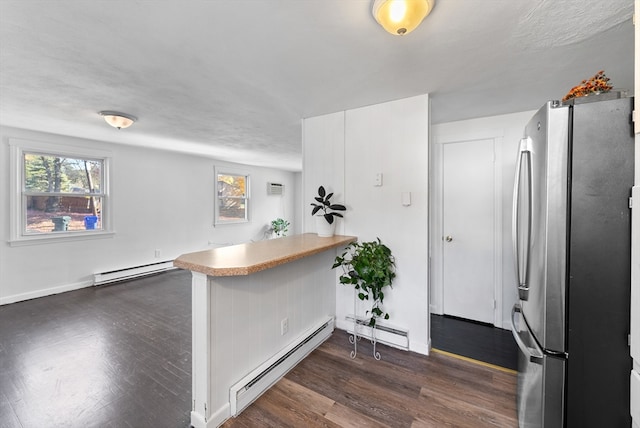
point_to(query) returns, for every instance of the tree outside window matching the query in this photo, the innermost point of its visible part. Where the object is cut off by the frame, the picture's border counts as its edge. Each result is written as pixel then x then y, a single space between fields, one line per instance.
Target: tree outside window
pixel 61 194
pixel 232 198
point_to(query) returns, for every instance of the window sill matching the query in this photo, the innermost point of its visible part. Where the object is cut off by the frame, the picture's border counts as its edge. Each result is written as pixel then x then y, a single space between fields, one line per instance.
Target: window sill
pixel 224 223
pixel 63 237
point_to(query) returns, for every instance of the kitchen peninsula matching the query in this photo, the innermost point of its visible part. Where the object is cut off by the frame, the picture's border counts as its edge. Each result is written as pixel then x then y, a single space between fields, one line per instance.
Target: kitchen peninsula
pixel 258 309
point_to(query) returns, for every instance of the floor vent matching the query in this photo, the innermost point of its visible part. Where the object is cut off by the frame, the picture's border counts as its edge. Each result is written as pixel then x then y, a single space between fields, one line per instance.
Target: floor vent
pixel 258 381
pixel 394 336
pixel 131 272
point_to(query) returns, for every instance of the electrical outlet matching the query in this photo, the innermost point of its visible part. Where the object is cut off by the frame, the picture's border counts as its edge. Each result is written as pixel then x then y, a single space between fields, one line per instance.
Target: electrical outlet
pixel 157 253
pixel 284 326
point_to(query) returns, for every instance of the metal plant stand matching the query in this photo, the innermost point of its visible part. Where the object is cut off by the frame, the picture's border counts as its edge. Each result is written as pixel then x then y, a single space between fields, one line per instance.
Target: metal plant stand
pixel 355 337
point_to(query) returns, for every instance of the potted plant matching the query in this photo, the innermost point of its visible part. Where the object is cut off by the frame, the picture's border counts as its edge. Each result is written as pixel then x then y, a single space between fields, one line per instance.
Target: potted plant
pixel 279 227
pixel 369 267
pixel 325 220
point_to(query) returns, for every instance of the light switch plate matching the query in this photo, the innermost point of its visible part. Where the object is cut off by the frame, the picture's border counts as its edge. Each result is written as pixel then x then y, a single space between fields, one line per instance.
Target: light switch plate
pixel 406 199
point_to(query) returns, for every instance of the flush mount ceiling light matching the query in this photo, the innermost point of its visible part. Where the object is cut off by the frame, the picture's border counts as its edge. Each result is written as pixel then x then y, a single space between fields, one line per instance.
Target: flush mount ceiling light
pixel 400 17
pixel 117 119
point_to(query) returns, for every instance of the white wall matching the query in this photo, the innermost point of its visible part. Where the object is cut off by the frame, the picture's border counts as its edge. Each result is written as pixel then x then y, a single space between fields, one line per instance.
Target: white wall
pixel 323 163
pixel 344 151
pixel 506 130
pixel 298 211
pixel 161 200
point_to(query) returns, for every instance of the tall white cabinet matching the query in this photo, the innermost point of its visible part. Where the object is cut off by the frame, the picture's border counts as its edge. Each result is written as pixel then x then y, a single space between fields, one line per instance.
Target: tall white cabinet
pixel 375 160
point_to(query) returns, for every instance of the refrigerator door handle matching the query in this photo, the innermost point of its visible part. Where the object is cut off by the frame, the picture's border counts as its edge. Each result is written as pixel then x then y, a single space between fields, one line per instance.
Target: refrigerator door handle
pixel 524 153
pixel 535 355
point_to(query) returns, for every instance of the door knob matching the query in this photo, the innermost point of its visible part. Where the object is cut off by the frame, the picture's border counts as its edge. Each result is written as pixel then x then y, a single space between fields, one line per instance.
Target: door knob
pixel 449 238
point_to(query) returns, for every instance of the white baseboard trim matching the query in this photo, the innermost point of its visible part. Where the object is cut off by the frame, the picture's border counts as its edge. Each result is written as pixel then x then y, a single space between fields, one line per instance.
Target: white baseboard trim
pixel 420 348
pixel 215 420
pixel 44 292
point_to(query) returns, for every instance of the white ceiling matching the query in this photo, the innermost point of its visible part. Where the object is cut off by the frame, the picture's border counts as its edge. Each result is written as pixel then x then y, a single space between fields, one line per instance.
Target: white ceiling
pixel 231 79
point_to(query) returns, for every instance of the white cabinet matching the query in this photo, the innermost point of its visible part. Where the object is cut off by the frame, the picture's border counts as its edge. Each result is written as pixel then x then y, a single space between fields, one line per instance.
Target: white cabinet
pixel 372 157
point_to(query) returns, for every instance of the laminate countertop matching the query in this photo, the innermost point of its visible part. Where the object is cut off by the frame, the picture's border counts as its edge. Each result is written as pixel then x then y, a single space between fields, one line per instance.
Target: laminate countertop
pixel 245 259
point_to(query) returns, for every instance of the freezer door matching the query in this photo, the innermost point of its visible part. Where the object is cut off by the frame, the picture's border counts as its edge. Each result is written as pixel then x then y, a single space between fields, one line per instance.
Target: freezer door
pixel 540 401
pixel 540 224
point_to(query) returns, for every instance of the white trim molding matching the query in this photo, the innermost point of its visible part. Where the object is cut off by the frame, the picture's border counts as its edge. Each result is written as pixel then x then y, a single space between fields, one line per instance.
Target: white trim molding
pixel 17 148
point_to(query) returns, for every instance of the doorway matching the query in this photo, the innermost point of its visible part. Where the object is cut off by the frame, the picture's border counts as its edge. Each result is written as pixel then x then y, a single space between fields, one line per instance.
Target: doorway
pixel 480 342
pixel 467 230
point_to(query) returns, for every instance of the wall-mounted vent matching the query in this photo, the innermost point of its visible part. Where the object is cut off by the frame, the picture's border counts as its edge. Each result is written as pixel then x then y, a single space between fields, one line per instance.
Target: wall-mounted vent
pixel 275 189
pixel 397 337
pixel 258 381
pixel 118 275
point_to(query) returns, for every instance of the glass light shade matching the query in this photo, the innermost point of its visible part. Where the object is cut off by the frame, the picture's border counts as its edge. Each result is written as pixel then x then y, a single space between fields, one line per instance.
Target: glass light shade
pixel 400 17
pixel 118 120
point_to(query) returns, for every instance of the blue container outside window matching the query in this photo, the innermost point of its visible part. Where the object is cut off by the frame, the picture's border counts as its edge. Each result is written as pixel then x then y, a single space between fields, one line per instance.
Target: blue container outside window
pixel 90 222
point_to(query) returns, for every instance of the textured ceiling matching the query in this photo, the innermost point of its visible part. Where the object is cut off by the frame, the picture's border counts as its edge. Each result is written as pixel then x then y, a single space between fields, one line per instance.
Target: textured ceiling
pixel 232 79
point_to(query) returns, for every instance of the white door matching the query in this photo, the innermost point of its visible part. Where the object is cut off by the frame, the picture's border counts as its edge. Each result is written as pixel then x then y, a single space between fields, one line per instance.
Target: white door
pixel 468 230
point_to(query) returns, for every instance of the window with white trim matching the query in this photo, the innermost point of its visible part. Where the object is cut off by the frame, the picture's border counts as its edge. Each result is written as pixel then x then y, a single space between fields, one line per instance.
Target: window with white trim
pixel 232 198
pixel 58 193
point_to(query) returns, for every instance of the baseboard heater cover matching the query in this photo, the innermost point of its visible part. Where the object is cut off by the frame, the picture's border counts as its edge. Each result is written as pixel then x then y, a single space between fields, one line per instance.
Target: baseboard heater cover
pixel 389 335
pixel 249 388
pixel 118 275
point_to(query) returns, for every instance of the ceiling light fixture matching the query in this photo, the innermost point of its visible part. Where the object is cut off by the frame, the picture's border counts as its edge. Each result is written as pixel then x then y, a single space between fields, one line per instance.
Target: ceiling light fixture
pixel 400 17
pixel 117 119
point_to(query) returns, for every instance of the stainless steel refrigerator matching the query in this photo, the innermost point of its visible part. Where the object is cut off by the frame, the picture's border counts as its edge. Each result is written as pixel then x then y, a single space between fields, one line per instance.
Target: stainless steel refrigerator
pixel 572 243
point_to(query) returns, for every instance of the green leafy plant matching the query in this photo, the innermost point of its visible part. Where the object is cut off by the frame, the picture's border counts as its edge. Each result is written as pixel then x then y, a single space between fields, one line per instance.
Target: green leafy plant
pixel 280 226
pixel 324 204
pixel 369 267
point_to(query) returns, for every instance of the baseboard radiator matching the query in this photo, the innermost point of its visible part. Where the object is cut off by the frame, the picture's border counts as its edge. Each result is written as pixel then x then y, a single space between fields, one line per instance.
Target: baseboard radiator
pixel 389 335
pixel 249 388
pixel 131 272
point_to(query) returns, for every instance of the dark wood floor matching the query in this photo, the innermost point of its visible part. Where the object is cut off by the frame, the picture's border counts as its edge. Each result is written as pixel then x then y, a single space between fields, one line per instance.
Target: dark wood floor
pixel 404 389
pixel 119 356
pixel 478 341
pixel 110 356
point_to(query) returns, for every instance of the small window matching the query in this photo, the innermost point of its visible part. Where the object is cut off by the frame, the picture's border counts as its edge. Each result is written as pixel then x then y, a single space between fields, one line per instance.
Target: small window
pixel 57 195
pixel 232 198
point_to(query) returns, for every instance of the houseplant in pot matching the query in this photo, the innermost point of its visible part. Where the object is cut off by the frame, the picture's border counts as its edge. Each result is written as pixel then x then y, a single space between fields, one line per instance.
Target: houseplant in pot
pixel 325 212
pixel 369 267
pixel 279 227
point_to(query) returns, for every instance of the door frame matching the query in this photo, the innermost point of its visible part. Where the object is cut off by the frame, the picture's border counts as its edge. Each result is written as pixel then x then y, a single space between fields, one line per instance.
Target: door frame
pixel 436 207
